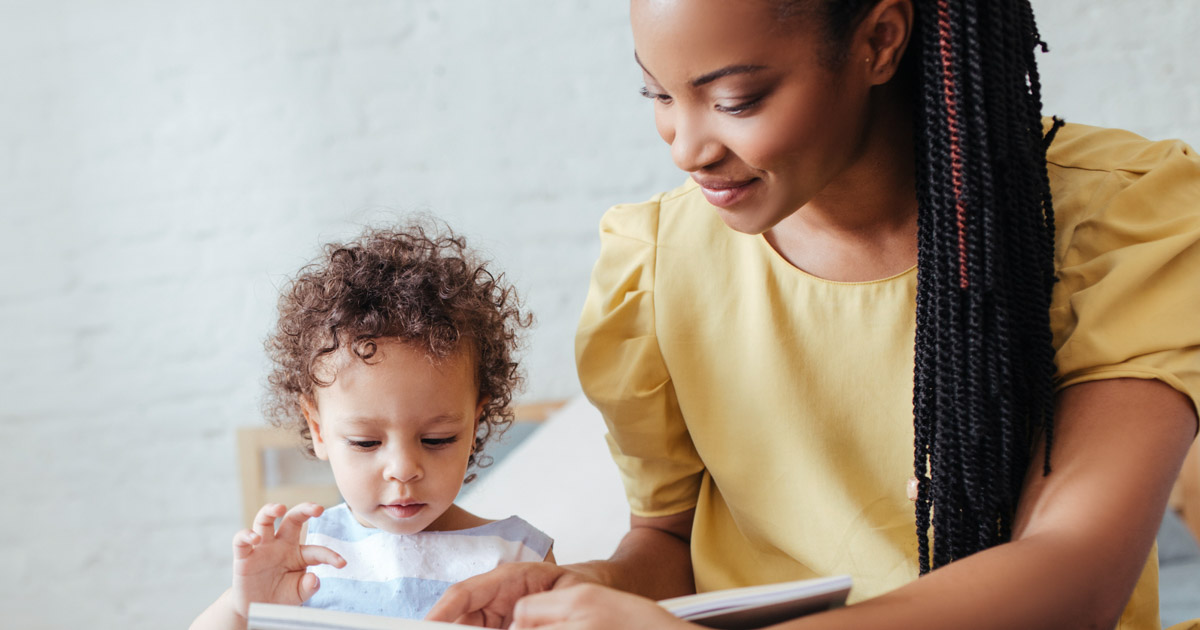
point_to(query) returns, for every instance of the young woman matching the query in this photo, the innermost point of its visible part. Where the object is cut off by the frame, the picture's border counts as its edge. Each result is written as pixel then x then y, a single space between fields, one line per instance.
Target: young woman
pixel 898 326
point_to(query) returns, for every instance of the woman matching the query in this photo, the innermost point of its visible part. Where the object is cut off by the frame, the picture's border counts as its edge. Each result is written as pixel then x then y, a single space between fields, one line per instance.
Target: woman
pixel 749 336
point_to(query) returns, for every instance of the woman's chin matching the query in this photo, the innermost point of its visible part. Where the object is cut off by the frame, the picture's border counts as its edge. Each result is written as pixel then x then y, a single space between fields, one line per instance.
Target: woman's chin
pixel 747 221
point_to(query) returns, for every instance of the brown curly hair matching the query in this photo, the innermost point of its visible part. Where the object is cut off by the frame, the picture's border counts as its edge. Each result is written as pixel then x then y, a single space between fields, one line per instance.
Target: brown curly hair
pixel 418 283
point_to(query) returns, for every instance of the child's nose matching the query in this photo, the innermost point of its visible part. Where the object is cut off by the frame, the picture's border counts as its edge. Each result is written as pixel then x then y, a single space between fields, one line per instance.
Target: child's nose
pixel 403 465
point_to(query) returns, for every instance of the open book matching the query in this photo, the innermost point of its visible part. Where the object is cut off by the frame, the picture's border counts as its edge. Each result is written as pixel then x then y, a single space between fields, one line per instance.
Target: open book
pixel 733 609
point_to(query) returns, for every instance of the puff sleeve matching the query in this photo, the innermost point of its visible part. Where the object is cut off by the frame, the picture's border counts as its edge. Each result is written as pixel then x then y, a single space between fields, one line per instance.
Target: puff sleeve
pixel 1127 303
pixel 623 373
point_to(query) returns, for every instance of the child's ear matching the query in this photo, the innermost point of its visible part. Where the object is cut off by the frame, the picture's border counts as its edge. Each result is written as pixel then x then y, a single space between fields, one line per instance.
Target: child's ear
pixel 483 400
pixel 313 418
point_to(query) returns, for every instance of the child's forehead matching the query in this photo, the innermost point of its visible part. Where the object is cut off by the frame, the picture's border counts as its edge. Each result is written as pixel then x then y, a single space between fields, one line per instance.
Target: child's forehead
pixel 393 378
pixel 373 351
pixel 370 422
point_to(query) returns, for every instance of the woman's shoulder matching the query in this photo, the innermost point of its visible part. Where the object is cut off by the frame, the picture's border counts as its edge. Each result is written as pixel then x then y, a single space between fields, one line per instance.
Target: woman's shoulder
pixel 1120 184
pixel 1087 148
pixel 681 211
pixel 1127 217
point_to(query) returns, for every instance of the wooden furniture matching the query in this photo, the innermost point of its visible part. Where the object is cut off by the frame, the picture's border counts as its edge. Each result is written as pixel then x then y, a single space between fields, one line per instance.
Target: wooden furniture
pixel 254 445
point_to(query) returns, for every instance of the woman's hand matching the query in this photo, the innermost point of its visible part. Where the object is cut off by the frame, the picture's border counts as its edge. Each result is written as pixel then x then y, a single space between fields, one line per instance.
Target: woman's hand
pixel 488 599
pixel 592 607
pixel 653 559
pixel 270 566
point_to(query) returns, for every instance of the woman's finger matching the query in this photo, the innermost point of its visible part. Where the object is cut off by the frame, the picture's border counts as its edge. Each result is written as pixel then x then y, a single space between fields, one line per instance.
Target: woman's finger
pixel 551 607
pixel 293 521
pixel 316 554
pixel 477 619
pixel 489 597
pixel 264 521
pixel 244 543
pixel 591 607
pixel 457 603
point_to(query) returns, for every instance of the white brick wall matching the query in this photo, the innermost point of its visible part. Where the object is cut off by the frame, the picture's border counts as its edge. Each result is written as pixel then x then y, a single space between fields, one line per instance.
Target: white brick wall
pixel 164 164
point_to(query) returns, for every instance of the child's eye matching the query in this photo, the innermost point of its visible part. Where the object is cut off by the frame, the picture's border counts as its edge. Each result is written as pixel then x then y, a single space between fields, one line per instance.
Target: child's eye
pixel 364 445
pixel 661 98
pixel 439 442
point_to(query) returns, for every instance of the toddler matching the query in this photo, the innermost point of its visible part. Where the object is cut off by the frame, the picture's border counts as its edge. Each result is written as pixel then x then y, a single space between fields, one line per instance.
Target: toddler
pixel 393 358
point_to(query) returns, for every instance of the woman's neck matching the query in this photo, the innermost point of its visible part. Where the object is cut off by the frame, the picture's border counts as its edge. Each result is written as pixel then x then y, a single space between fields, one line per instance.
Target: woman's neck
pixel 863 225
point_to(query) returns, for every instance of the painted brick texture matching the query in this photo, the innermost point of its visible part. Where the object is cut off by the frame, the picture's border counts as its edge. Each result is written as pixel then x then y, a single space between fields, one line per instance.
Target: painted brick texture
pixel 165 164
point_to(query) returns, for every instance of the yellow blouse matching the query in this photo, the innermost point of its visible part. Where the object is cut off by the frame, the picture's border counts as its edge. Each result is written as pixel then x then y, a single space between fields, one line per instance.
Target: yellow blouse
pixel 779 404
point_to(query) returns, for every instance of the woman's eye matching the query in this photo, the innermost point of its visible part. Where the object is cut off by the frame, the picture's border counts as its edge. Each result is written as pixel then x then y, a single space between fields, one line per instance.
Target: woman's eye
pixel 439 442
pixel 739 108
pixel 661 98
pixel 364 445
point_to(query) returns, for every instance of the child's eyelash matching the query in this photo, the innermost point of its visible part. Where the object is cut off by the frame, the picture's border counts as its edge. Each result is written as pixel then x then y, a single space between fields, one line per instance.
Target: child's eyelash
pixel 370 444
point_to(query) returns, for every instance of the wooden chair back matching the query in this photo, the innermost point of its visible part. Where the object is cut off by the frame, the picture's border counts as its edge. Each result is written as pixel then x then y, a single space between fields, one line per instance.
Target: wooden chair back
pixel 254 445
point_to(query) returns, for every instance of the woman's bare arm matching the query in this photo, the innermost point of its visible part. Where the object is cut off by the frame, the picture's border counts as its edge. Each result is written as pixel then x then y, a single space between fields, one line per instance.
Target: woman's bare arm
pixel 1082 534
pixel 654 558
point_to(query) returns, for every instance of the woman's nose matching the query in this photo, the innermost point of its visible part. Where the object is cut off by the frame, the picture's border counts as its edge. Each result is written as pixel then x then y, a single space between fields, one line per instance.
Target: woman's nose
pixel 693 146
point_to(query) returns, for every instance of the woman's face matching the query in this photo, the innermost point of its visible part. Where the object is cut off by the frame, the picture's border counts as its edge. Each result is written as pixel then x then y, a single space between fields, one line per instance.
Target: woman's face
pixel 747 104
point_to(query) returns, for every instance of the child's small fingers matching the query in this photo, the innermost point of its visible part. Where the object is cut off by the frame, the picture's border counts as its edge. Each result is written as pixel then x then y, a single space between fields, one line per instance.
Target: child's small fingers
pixel 244 542
pixel 316 554
pixel 264 521
pixel 307 586
pixel 289 528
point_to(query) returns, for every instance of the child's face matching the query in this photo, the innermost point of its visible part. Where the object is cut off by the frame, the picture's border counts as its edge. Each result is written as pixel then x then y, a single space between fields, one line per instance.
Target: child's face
pixel 398 433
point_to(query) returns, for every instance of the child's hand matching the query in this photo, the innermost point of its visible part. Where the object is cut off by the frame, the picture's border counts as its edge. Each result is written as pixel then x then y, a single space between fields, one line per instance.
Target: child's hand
pixel 269 566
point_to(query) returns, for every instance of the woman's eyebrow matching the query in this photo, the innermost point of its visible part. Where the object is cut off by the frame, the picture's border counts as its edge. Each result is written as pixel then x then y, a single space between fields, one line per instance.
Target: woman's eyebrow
pixel 724 72
pixel 714 75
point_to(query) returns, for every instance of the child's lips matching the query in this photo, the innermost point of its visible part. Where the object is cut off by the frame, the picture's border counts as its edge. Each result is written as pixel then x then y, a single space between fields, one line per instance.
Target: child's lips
pixel 403 510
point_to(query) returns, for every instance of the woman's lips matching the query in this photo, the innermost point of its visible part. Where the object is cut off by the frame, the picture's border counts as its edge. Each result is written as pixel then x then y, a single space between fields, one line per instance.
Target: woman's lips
pixel 724 194
pixel 405 510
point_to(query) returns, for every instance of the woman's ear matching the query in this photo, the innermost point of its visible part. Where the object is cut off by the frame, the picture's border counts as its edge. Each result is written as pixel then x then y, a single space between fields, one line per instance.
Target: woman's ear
pixel 882 39
pixel 313 418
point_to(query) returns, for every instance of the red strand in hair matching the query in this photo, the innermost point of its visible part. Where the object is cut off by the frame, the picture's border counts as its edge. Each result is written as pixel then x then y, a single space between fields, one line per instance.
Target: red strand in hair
pixel 956 157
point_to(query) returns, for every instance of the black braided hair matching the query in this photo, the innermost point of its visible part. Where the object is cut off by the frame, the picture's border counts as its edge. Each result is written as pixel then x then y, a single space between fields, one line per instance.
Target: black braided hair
pixel 983 385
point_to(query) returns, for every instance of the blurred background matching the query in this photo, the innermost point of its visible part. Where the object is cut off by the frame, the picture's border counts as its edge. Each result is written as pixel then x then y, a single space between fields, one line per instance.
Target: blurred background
pixel 164 165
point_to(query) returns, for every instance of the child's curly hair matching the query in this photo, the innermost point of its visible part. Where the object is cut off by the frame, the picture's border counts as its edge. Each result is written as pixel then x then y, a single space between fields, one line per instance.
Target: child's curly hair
pixel 417 283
